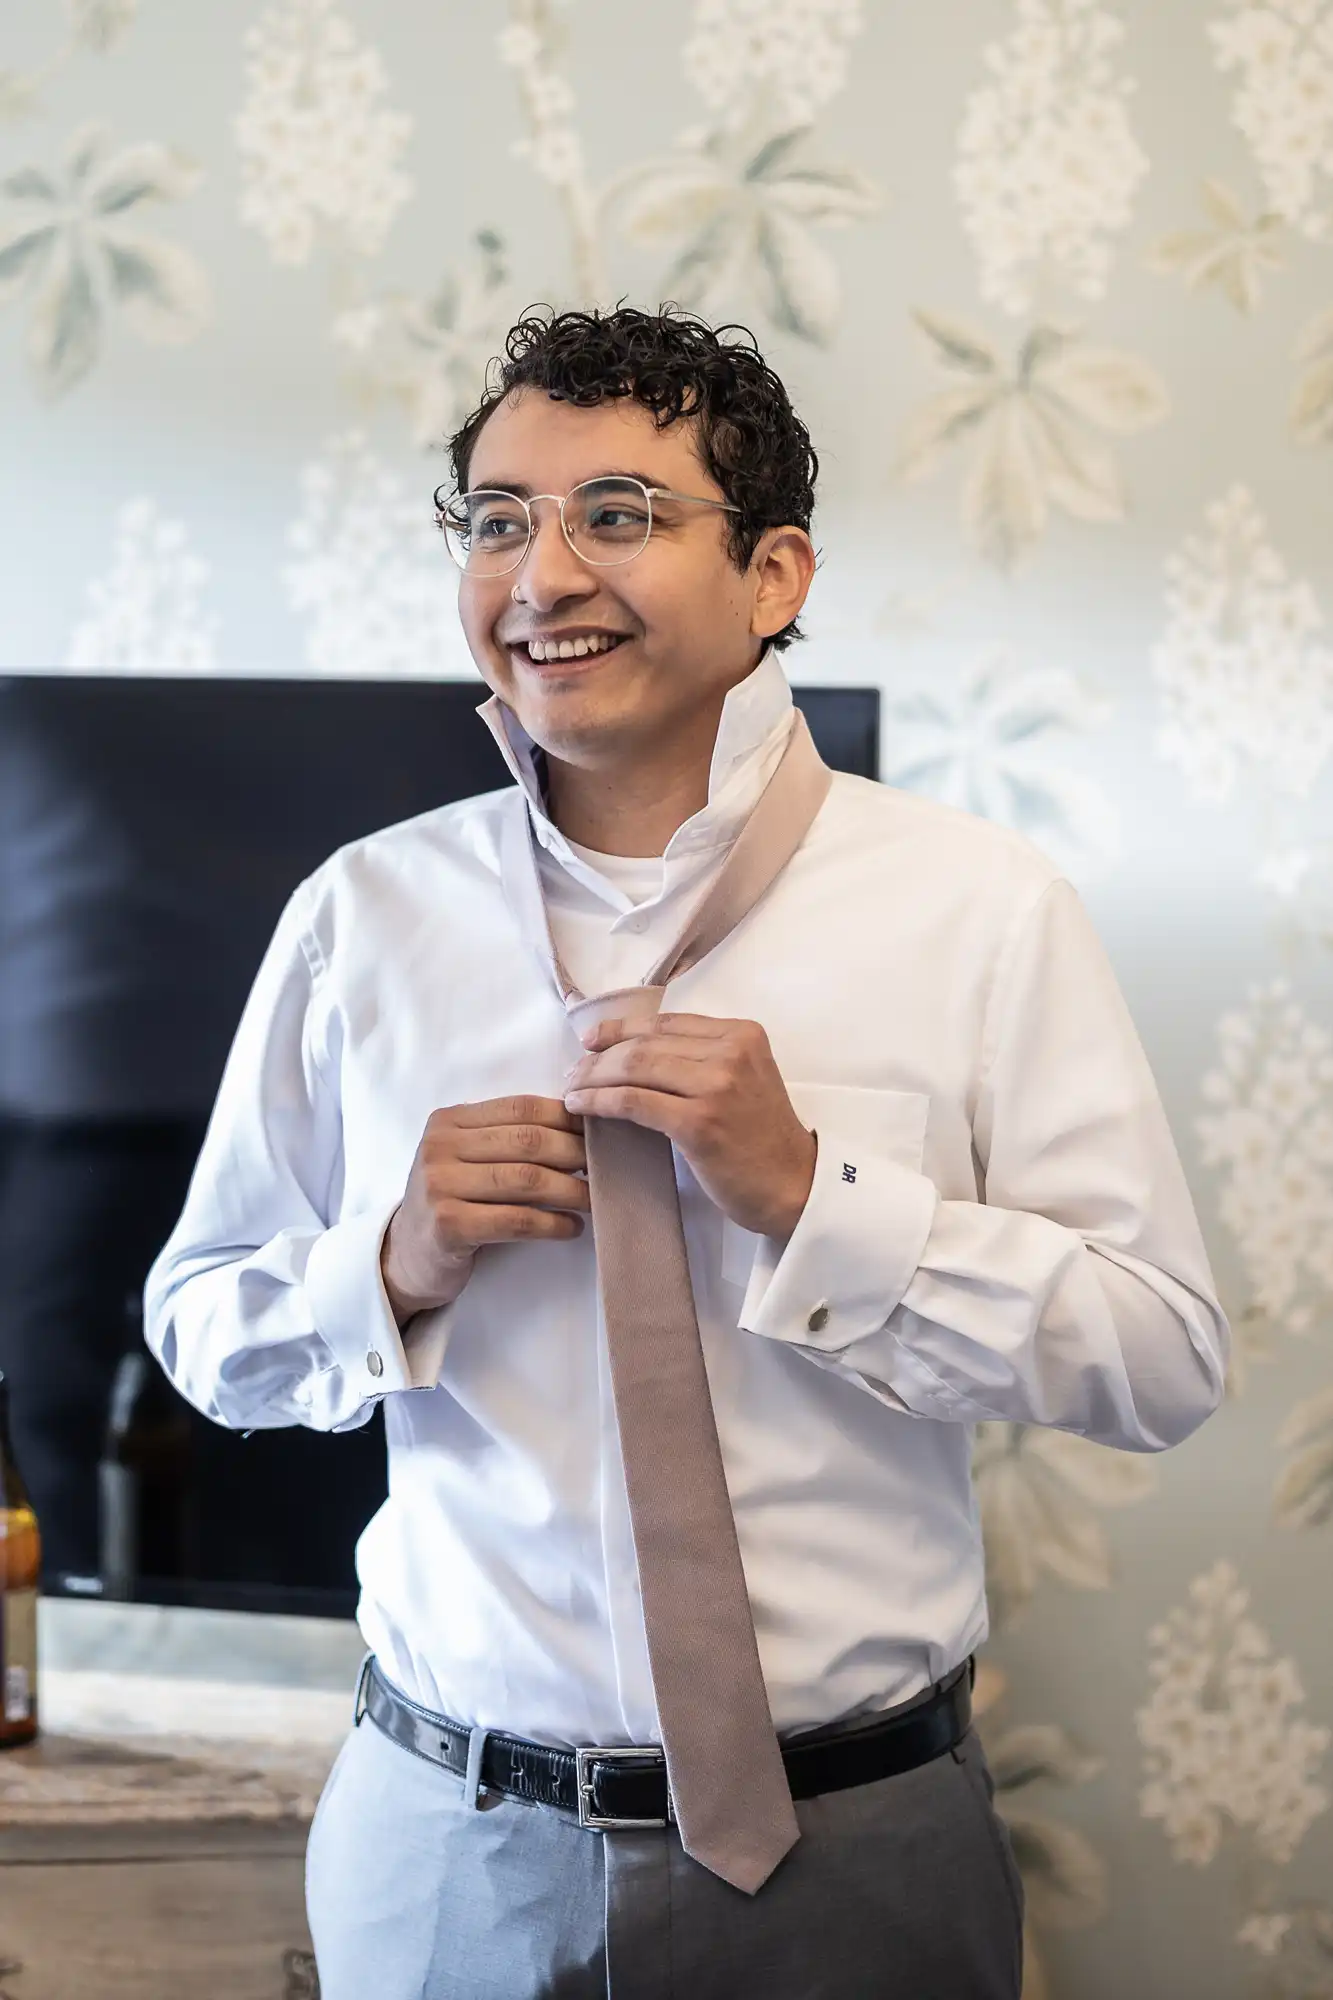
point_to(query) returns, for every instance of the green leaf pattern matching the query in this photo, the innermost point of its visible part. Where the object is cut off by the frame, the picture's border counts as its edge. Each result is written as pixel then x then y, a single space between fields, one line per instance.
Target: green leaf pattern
pixel 1033 428
pixel 73 242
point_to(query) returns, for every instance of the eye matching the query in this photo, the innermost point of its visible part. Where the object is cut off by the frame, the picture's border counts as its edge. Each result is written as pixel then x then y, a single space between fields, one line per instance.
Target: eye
pixel 612 515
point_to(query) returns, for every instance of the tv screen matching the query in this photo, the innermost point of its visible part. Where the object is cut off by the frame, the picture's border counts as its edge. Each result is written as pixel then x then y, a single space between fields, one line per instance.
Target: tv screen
pixel 151 830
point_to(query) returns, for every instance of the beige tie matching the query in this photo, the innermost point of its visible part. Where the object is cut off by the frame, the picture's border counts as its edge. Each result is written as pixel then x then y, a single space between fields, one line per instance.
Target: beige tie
pixel 729 1790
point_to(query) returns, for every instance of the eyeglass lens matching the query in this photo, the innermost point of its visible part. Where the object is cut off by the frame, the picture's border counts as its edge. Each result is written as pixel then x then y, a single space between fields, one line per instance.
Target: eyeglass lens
pixel 607 520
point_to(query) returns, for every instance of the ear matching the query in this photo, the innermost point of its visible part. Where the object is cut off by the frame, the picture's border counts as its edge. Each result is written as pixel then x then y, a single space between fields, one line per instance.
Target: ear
pixel 783 568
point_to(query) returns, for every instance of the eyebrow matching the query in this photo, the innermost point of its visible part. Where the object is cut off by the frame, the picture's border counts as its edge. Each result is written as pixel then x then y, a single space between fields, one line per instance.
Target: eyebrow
pixel 525 492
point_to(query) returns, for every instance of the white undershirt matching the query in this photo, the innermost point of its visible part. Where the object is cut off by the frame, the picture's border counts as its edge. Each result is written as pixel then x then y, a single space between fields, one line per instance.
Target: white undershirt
pixel 637 876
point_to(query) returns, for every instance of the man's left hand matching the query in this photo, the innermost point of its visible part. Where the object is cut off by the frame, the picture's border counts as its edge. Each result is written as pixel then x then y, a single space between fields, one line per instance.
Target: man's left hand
pixel 714 1089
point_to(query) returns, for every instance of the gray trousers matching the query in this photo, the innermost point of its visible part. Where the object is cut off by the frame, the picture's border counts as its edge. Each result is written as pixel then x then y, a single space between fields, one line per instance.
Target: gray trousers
pixel 905 1889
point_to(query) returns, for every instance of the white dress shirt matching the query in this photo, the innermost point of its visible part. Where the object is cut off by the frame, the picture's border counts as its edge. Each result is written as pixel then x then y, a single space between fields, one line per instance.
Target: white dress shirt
pixel 998 1228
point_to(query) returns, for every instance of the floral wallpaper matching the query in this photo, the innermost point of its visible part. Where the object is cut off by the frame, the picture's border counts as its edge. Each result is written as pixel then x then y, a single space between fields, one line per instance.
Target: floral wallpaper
pixel 1052 282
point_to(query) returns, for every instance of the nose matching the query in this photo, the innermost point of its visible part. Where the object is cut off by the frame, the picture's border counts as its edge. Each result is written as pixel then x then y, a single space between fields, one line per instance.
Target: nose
pixel 550 570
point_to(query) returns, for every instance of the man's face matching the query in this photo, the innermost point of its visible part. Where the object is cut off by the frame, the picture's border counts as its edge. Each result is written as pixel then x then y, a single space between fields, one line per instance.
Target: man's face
pixel 683 608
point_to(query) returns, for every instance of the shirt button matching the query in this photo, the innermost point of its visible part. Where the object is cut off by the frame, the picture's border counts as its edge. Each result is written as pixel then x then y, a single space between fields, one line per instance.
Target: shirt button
pixel 375 1363
pixel 818 1319
pixel 638 923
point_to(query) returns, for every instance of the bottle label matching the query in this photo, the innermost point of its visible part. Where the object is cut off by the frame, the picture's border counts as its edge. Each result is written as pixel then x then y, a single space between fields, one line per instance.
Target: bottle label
pixel 18 1654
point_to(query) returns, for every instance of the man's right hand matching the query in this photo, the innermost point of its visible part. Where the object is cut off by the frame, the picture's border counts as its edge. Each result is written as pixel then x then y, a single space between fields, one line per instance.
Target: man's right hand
pixel 494 1172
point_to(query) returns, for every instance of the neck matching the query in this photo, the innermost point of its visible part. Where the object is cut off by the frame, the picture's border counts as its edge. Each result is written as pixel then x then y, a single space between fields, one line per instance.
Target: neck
pixel 632 808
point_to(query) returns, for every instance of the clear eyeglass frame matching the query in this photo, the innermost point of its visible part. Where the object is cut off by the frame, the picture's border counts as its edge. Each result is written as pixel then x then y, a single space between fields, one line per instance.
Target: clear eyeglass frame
pixel 447 519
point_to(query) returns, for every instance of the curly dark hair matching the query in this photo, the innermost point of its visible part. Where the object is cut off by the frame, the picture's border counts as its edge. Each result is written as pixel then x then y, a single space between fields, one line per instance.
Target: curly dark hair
pixel 749 438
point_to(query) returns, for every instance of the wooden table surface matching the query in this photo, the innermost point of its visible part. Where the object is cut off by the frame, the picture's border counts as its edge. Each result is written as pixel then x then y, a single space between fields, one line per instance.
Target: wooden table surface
pixel 157 1866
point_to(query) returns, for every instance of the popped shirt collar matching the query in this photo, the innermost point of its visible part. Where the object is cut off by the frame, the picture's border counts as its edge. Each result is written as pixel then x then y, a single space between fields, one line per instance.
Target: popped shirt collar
pixel 751 713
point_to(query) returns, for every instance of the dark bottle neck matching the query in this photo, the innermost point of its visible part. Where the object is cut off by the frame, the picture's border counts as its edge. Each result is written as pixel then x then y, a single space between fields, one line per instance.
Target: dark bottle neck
pixel 13 1493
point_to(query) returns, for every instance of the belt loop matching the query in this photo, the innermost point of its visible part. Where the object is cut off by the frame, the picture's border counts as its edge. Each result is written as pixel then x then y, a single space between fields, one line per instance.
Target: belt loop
pixel 362 1684
pixel 472 1785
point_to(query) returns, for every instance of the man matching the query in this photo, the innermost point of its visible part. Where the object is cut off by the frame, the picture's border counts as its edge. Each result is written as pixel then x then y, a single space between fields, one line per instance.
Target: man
pixel 923 1179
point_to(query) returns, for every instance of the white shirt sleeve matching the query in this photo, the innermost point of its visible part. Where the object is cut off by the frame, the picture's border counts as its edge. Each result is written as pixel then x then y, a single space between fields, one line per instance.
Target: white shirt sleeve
pixel 1077 1292
pixel 262 1309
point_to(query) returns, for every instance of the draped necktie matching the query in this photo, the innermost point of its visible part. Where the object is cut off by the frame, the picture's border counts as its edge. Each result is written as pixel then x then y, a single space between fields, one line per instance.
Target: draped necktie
pixel 728 1786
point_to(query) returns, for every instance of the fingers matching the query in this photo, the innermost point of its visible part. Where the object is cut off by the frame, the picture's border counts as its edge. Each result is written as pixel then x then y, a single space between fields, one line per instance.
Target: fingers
pixel 652 1064
pixel 469 1206
pixel 505 1111
pixel 501 1171
pixel 527 1162
pixel 704 1027
pixel 481 1145
pixel 522 1181
pixel 701 1029
pixel 492 1222
pixel 660 1110
pixel 506 1181
pixel 491 1182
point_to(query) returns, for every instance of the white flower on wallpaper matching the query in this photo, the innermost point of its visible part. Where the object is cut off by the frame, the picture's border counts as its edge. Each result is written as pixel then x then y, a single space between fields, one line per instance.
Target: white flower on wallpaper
pixel 535 45
pixel 798 48
pixel 1232 253
pixel 1246 680
pixel 1048 165
pixel 369 571
pixel 990 742
pixel 95 27
pixel 1035 427
pixel 321 152
pixel 1224 1746
pixel 1264 1933
pixel 430 354
pixel 1280 53
pixel 1303 1491
pixel 74 243
pixel 1039 1492
pixel 1297 1946
pixel 744 208
pixel 1312 402
pixel 18 96
pixel 99 24
pixel 1269 1128
pixel 531 46
pixel 147 613
pixel 902 614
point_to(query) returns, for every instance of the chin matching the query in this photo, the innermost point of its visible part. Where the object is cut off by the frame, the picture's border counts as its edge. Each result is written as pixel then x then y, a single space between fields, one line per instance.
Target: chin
pixel 567 720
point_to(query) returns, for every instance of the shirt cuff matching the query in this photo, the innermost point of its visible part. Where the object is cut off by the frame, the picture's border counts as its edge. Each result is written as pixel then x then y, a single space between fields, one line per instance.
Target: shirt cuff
pixel 856 1245
pixel 352 1314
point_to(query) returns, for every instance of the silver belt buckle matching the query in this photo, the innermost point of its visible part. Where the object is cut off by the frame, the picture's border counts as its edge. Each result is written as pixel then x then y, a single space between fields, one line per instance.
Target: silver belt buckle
pixel 583 1762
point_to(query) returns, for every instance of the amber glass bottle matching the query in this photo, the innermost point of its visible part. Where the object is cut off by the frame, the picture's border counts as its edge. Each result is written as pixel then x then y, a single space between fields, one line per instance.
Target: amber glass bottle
pixel 20 1565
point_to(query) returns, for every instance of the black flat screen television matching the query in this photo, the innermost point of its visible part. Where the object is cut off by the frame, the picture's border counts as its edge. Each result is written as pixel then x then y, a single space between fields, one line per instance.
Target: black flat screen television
pixel 151 829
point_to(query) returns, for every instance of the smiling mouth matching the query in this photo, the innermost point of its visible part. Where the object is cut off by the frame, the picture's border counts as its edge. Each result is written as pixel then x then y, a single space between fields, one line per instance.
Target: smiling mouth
pixel 564 661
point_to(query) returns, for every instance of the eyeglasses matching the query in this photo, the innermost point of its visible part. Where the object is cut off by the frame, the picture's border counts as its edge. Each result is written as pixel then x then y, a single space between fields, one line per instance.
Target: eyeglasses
pixel 606 521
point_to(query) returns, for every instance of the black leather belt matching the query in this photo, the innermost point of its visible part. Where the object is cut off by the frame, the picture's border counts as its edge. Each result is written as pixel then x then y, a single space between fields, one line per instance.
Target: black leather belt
pixel 622 1788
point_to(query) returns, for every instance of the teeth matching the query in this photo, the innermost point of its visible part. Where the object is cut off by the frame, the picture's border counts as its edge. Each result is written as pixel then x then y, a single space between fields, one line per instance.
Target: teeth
pixel 569 649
